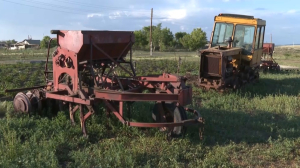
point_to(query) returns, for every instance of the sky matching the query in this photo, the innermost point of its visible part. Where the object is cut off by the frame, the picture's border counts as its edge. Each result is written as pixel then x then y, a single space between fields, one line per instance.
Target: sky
pixel 20 18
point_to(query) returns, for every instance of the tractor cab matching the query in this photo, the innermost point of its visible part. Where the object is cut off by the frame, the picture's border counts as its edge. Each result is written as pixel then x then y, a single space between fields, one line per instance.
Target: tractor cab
pixel 239 31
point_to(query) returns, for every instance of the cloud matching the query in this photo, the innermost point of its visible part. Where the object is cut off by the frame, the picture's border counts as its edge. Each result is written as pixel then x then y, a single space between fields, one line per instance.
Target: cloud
pixel 263 13
pixel 165 14
pixel 292 11
pixel 168 10
pixel 116 14
pixel 260 9
pixel 79 26
pixel 94 15
pixel 286 27
pixel 174 14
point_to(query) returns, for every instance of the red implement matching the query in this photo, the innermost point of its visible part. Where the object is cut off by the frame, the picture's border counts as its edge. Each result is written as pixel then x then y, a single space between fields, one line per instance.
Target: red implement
pixel 267 61
pixel 84 64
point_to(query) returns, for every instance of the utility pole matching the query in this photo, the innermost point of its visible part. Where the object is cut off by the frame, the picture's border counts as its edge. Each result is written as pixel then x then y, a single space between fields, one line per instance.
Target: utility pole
pixel 151 32
pixel 271 37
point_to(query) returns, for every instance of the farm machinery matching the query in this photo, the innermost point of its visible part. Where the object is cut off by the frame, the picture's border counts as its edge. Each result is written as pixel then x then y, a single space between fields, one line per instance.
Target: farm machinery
pixel 84 75
pixel 267 61
pixel 234 53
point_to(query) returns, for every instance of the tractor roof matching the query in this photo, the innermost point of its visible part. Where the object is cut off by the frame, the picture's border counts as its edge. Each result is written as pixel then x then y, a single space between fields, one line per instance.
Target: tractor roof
pixel 239 19
pixel 236 15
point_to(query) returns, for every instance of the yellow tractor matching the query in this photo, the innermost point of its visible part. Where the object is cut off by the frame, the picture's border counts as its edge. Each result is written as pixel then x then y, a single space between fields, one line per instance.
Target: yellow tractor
pixel 234 53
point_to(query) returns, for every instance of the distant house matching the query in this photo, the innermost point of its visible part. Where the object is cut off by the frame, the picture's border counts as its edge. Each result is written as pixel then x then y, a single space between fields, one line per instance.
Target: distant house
pixel 25 44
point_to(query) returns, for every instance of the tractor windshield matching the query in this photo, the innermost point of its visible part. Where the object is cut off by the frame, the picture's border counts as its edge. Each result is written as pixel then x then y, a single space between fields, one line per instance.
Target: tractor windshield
pixel 243 37
pixel 221 33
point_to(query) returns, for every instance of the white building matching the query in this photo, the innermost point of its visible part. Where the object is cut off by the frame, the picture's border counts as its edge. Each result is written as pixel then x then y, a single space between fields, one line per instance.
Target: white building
pixel 25 44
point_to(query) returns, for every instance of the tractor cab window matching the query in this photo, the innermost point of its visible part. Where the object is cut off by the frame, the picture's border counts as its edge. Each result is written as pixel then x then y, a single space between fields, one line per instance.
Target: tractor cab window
pixel 261 37
pixel 257 38
pixel 221 33
pixel 243 37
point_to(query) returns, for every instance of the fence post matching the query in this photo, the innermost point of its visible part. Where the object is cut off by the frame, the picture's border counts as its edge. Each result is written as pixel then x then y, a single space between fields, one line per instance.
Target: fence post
pixel 179 62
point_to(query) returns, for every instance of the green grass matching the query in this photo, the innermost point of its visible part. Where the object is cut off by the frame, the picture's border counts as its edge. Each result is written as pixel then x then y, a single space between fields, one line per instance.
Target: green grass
pixel 257 126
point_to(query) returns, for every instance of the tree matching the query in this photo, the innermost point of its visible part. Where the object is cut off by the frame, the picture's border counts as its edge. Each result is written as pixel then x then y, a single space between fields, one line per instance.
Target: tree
pixel 141 39
pixel 185 41
pixel 161 38
pixel 156 33
pixel 199 39
pixel 45 42
pixel 165 39
pixel 10 42
pixel 178 37
pixel 195 40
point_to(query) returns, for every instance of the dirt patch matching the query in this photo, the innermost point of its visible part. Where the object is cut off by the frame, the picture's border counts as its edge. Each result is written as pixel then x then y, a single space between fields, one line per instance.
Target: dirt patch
pixel 289 46
pixel 288 67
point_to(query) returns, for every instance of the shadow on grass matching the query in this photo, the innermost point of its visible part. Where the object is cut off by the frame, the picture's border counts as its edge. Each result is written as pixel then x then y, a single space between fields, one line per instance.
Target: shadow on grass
pixel 273 83
pixel 286 83
pixel 251 127
pixel 266 86
pixel 221 126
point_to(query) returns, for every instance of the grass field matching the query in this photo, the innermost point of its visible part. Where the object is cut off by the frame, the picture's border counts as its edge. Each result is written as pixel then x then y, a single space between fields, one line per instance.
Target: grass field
pixel 288 55
pixel 257 126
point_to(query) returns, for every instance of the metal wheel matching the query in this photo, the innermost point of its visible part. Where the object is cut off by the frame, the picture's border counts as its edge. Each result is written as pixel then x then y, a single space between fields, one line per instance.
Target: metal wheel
pixel 278 68
pixel 169 112
pixel 248 76
pixel 265 69
pixel 22 103
pixel 256 76
pixel 35 101
pixel 236 83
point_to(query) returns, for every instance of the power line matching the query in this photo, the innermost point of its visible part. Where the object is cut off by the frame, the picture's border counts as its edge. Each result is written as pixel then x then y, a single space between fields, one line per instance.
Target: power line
pixel 85 12
pixel 63 7
pixel 80 11
pixel 58 6
pixel 66 7
pixel 39 7
pixel 94 6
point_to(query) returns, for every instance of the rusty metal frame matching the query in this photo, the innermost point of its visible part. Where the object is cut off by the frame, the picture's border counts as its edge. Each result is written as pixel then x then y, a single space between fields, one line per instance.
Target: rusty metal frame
pixel 163 88
pixel 119 115
pixel 46 72
pixel 109 57
pixel 268 49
